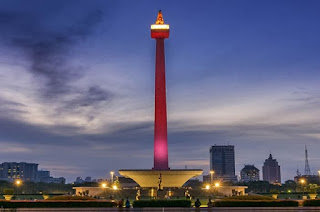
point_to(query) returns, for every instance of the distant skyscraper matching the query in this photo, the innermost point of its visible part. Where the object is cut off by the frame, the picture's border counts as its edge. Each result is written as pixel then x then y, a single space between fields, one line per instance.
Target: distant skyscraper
pixel 250 173
pixel 24 171
pixel 222 162
pixel 44 177
pixel 271 170
pixel 88 179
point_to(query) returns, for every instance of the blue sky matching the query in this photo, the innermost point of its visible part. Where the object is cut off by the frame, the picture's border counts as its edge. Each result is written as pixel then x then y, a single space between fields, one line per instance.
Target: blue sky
pixel 77 83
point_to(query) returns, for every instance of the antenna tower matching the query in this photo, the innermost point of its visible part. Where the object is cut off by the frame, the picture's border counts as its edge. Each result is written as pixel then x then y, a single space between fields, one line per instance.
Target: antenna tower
pixel 306 165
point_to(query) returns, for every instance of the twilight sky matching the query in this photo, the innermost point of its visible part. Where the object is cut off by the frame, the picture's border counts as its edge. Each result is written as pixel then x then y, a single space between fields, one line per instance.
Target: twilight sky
pixel 77 83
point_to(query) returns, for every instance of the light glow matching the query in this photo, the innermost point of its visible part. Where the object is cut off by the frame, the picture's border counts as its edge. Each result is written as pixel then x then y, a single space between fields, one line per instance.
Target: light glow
pixel 104 185
pixel 18 182
pixel 207 187
pixel 160 26
pixel 302 181
pixel 115 187
pixel 217 184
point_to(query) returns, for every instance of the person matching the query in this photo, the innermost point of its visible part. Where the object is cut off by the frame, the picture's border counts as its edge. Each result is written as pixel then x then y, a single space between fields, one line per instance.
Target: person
pixel 127 203
pixel 210 204
pixel 197 203
pixel 121 203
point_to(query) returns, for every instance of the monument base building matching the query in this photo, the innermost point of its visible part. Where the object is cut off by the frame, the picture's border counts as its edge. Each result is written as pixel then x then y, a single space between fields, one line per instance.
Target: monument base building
pixel 164 178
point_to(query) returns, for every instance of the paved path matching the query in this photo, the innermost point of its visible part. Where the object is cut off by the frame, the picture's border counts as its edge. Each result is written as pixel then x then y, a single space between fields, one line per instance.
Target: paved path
pixel 224 209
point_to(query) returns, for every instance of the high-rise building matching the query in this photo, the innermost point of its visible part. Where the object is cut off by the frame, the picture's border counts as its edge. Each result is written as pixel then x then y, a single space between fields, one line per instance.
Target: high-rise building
pixel 43 174
pixel 45 177
pixel 88 179
pixel 222 162
pixel 271 171
pixel 249 173
pixel 24 171
pixel 79 180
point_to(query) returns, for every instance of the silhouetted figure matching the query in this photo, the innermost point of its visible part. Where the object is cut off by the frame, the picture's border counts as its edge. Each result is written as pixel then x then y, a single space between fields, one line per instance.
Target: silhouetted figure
pixel 121 203
pixel 197 203
pixel 127 203
pixel 210 203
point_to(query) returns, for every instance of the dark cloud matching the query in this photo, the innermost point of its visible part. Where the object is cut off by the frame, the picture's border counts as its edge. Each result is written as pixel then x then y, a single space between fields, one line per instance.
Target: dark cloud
pixel 92 96
pixel 48 50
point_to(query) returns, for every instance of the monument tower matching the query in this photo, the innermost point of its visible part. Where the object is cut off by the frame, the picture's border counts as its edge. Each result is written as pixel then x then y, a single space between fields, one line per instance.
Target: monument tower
pixel 160 31
pixel 160 175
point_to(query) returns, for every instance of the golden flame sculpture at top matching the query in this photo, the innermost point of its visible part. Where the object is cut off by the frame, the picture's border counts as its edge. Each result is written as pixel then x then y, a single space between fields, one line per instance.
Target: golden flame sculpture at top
pixel 160 22
pixel 160 18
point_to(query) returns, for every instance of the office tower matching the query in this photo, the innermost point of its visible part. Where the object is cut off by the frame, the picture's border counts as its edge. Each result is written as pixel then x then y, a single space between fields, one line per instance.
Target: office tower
pixel 222 162
pixel 271 171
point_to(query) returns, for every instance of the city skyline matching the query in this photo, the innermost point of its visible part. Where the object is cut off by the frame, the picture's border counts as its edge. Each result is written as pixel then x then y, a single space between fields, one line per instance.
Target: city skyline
pixel 76 83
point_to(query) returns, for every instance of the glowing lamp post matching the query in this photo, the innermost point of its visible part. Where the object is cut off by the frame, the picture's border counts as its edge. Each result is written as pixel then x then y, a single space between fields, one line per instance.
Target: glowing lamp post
pixel 207 187
pixel 112 173
pixel 211 174
pixel 160 31
pixel 302 182
pixel 104 187
pixel 18 184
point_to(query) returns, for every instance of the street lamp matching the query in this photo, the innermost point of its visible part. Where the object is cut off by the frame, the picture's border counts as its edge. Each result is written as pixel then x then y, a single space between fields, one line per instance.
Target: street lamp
pixel 104 186
pixel 211 173
pixel 302 181
pixel 112 173
pixel 217 185
pixel 18 183
pixel 115 187
pixel 207 187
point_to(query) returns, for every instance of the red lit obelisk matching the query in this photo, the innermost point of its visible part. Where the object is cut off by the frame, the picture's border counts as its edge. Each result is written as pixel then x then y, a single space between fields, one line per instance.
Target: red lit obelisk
pixel 160 176
pixel 160 31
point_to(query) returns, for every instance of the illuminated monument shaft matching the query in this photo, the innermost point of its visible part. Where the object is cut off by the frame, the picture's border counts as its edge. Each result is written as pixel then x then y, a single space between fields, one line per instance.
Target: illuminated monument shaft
pixel 160 175
pixel 160 31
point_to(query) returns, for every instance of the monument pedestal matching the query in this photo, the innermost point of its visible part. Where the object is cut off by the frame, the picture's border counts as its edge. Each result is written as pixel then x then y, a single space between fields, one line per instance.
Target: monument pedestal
pixel 169 178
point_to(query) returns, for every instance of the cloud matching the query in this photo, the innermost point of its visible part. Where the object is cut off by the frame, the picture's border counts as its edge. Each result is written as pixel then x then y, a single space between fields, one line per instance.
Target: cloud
pixel 7 147
pixel 49 53
pixel 49 50
pixel 92 96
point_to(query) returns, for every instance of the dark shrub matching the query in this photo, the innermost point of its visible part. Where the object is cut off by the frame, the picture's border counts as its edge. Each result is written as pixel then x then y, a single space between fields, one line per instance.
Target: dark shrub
pixel 71 198
pixel 253 197
pixel 8 191
pixel 255 203
pixel 315 202
pixel 56 204
pixel 161 203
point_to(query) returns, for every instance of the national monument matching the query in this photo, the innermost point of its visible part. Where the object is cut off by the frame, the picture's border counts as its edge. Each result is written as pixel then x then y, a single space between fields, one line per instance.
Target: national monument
pixel 160 175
